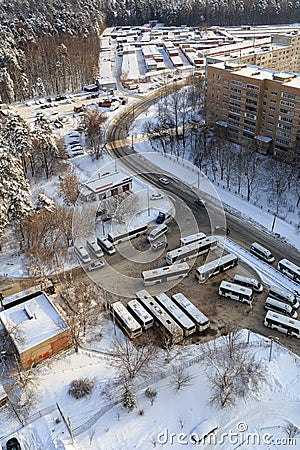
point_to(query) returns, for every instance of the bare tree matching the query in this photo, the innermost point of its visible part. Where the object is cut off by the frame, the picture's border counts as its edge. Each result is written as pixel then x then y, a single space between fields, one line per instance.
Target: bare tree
pixel 133 360
pixel 291 430
pixel 151 394
pixel 279 180
pixel 69 187
pixel 92 122
pixel 81 305
pixel 232 370
pixel 180 379
pixel 122 208
pixel 84 220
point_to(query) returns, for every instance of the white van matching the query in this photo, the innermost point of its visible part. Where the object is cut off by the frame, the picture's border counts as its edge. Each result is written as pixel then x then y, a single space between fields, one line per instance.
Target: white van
pixel 157 232
pixel 283 296
pixel 251 283
pixel 262 252
pixel 82 253
pixel 280 307
pixel 94 248
pixel 107 246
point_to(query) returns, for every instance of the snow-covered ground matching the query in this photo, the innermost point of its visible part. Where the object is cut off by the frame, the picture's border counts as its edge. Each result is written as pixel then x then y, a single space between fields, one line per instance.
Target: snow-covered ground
pixel 98 423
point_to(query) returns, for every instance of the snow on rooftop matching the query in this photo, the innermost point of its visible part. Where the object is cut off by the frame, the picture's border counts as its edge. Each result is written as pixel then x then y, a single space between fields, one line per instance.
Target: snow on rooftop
pixel 35 324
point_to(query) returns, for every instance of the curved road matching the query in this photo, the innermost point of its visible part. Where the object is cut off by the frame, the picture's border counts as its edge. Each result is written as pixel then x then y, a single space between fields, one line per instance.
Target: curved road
pixel 242 232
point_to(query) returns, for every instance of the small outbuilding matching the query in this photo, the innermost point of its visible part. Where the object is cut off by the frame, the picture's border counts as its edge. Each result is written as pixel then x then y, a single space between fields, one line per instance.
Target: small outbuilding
pixel 36 329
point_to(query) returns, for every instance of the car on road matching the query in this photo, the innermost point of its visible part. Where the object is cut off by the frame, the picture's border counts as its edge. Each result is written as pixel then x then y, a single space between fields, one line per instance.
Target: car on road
pixel 156 196
pixel 200 202
pixel 159 245
pixel 164 180
pixel 13 444
pixel 95 265
pixel 161 217
pixel 221 229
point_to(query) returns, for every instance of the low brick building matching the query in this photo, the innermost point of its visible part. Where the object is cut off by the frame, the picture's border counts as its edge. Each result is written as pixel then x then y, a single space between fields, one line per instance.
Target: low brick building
pixel 37 329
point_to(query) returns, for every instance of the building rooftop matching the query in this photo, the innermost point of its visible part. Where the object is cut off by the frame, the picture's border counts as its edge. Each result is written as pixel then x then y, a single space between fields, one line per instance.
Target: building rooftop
pixel 105 181
pixel 32 322
pixel 258 73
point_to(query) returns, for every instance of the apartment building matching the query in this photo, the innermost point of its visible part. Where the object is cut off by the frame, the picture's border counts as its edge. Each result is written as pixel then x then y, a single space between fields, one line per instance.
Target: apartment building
pixel 255 104
pixel 282 54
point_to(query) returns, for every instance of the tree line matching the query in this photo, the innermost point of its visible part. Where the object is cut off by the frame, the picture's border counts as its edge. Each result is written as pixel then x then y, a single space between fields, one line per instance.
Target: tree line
pixel 203 12
pixel 179 129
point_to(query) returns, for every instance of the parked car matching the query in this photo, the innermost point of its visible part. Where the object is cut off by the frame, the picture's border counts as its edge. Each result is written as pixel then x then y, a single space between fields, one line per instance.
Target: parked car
pixel 160 218
pixel 156 196
pixel 159 245
pixel 13 444
pixel 164 180
pixel 201 432
pixel 95 265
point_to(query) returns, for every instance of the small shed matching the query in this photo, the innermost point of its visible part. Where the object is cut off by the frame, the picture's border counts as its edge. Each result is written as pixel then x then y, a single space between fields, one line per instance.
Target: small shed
pixel 37 329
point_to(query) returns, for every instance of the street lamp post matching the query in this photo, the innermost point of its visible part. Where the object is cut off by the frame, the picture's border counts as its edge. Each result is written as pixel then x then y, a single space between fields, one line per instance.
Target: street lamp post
pixel 148 200
pixel 250 319
pixel 272 339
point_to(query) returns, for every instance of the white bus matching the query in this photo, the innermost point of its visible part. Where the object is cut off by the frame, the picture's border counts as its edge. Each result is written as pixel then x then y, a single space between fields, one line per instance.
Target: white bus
pixel 94 248
pixel 289 269
pixel 235 292
pixel 118 237
pixel 107 246
pixel 190 251
pixel 262 252
pixel 251 283
pixel 283 296
pixel 128 323
pixel 280 307
pixel 200 319
pixel 82 253
pixel 192 238
pixel 167 273
pixel 167 325
pixel 140 314
pixel 282 323
pixel 157 232
pixel 188 326
pixel 217 266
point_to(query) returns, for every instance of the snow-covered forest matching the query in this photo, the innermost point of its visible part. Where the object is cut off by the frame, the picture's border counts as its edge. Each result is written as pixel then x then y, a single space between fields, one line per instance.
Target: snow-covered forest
pixel 51 47
pixel 47 47
pixel 202 12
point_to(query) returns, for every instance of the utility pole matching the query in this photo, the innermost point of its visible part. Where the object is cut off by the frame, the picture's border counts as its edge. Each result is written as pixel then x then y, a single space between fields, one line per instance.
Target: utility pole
pixel 148 200
pixel 70 429
pixel 273 224
pixel 67 422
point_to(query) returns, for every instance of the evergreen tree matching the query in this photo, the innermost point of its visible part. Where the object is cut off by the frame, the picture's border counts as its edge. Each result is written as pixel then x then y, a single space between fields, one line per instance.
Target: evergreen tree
pixel 128 398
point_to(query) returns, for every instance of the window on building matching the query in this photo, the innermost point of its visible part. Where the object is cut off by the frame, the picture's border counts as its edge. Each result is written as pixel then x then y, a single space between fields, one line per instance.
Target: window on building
pixel 287 95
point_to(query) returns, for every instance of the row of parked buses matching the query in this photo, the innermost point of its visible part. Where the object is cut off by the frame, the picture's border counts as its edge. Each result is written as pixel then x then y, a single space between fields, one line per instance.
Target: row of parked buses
pixel 176 317
pixel 285 266
pixel 181 270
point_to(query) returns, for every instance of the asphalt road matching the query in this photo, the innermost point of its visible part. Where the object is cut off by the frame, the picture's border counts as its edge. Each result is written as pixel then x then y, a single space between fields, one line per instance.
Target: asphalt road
pixel 241 231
